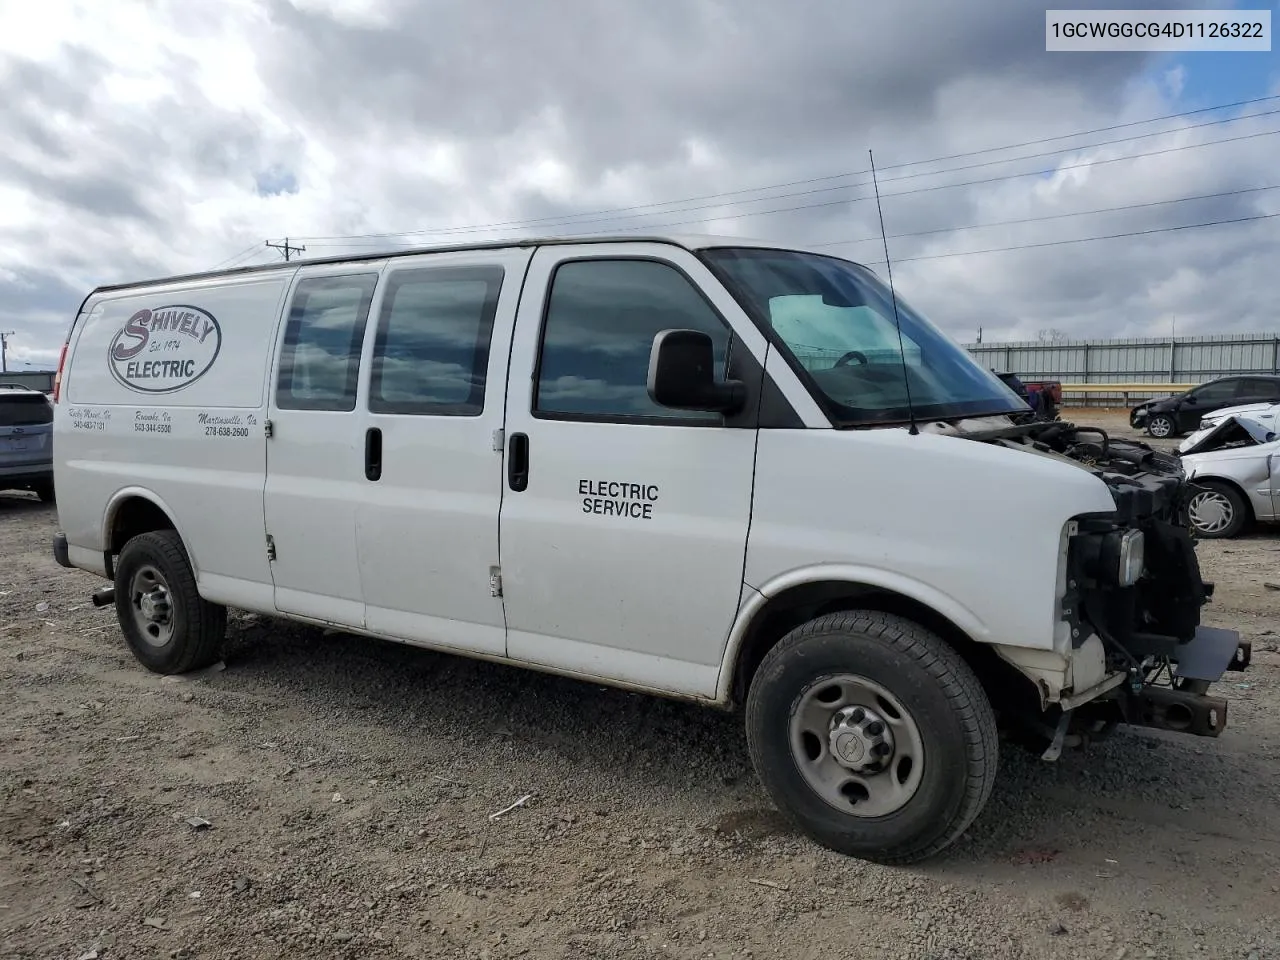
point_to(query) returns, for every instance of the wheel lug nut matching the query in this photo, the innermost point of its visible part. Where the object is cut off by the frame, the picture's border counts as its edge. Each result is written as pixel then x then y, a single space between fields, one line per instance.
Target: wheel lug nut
pixel 875 728
pixel 857 714
pixel 881 750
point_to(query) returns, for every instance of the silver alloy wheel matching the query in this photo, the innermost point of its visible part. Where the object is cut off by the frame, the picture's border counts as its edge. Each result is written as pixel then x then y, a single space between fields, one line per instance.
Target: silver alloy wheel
pixel 856 745
pixel 1160 426
pixel 1211 511
pixel 152 605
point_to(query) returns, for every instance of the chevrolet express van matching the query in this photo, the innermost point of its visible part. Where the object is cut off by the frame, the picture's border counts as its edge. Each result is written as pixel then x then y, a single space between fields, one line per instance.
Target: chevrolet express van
pixel 703 468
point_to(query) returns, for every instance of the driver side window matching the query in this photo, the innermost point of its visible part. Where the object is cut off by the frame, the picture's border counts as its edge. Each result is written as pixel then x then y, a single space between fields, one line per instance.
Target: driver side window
pixel 601 318
pixel 1216 392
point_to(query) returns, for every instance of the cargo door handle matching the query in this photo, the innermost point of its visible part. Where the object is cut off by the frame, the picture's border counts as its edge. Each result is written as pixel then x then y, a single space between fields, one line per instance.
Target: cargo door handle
pixel 372 453
pixel 518 461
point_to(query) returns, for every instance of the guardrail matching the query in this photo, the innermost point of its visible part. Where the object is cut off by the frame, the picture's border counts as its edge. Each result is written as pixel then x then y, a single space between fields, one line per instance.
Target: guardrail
pixel 1125 390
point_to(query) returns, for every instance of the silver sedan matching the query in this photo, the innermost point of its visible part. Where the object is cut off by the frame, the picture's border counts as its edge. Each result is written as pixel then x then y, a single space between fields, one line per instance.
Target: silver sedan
pixel 1234 466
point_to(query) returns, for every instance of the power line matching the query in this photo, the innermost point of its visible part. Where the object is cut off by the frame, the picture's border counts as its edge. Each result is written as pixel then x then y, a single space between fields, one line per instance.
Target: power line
pixel 847 186
pixel 900 193
pixel 236 257
pixel 962 183
pixel 1060 243
pixel 628 212
pixel 517 223
pixel 1092 239
pixel 244 259
pixel 1051 216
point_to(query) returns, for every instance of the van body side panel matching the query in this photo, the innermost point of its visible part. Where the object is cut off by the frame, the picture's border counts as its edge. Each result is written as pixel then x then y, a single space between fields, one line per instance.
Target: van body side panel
pixel 315 456
pixel 81 520
pixel 164 398
pixel 928 516
pixel 436 350
pixel 622 556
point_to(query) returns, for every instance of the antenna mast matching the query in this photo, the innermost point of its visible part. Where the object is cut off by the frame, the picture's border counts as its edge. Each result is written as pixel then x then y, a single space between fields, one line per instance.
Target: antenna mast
pixel 906 381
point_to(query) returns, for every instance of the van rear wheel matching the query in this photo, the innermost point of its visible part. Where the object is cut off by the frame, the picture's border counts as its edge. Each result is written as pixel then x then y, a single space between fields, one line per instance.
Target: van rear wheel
pixel 169 627
pixel 872 735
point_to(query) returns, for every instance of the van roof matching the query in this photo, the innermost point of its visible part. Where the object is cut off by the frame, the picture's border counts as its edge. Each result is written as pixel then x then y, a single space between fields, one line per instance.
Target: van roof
pixel 689 241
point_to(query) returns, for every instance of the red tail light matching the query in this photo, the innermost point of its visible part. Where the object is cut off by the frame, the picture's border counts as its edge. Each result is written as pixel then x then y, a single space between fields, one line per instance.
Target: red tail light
pixel 57 377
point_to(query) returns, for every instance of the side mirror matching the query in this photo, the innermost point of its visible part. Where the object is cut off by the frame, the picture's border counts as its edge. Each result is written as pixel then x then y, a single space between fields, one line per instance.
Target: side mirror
pixel 682 374
pixel 1190 398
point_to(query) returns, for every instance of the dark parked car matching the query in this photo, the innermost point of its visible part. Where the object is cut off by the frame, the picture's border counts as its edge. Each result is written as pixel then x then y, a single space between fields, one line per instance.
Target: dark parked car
pixel 1181 414
pixel 26 441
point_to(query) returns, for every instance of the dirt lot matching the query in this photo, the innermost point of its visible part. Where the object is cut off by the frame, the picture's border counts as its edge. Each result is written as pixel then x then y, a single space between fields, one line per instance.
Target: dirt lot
pixel 349 784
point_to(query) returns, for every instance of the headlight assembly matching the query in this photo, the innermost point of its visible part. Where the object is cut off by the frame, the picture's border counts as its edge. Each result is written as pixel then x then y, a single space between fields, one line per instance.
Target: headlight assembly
pixel 1130 557
pixel 1117 557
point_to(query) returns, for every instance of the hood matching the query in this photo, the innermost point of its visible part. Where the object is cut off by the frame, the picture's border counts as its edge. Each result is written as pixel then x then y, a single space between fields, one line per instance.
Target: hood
pixel 1158 405
pixel 1140 478
pixel 1230 433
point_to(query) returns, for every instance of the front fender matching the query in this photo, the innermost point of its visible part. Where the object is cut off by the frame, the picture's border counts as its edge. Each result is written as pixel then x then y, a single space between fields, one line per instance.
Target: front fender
pixel 855 575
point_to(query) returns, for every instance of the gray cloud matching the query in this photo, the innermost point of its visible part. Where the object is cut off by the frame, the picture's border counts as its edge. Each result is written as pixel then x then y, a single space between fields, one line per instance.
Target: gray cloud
pixel 102 195
pixel 454 113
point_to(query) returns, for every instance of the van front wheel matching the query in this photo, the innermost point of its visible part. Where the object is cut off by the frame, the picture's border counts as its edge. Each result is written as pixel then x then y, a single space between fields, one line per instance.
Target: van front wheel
pixel 169 627
pixel 873 735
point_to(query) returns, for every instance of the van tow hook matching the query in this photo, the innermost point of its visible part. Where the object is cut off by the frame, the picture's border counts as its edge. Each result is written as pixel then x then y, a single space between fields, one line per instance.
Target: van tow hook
pixel 104 596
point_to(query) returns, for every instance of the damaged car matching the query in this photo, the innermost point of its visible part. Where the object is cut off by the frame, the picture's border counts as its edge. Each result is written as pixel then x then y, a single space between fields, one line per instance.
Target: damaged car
pixel 1234 465
pixel 1262 412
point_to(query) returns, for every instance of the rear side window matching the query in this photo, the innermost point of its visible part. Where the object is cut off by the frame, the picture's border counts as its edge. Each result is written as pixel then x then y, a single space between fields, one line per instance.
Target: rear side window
pixel 431 354
pixel 320 357
pixel 24 410
pixel 601 318
pixel 1220 390
pixel 1260 388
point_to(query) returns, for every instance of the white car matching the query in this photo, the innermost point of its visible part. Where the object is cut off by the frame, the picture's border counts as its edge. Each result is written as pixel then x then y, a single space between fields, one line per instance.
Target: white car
pixel 724 471
pixel 1235 467
pixel 1263 414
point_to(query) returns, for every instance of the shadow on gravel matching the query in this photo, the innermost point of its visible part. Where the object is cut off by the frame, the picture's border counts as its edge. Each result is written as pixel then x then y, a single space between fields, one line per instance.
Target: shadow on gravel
pixel 16 503
pixel 624 740
pixel 685 757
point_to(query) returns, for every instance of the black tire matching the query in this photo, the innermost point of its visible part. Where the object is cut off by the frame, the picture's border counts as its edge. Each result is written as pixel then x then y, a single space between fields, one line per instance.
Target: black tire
pixel 944 700
pixel 1168 428
pixel 198 627
pixel 46 492
pixel 1236 503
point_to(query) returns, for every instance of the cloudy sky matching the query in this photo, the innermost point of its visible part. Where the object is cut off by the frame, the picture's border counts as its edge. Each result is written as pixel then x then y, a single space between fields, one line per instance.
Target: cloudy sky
pixel 148 137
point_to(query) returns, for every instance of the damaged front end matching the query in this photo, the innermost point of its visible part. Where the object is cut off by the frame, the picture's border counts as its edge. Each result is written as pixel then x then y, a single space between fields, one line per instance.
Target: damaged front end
pixel 1133 583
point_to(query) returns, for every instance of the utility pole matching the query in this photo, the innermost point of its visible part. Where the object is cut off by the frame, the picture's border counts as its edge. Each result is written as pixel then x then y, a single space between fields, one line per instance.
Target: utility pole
pixel 4 350
pixel 285 247
pixel 979 334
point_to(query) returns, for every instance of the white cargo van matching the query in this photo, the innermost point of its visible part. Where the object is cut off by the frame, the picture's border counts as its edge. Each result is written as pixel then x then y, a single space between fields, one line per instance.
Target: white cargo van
pixel 701 468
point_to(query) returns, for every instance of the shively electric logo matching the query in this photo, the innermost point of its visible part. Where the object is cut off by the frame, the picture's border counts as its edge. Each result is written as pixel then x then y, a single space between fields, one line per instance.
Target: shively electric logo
pixel 165 349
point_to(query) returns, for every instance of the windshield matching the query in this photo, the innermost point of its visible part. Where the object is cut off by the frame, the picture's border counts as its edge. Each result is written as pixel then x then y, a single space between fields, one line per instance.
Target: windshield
pixel 836 319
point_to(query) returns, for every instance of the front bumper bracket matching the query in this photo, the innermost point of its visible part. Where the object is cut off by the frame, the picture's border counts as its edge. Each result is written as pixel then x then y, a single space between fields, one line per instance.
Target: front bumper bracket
pixel 1210 654
pixel 1179 711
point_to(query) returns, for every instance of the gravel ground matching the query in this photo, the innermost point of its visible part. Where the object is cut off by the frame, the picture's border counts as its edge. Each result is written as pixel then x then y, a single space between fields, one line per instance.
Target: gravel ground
pixel 331 796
